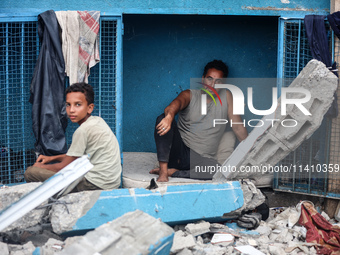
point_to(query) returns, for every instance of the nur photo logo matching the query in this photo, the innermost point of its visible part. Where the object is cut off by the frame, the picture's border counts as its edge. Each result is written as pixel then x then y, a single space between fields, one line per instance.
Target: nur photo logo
pixel 239 103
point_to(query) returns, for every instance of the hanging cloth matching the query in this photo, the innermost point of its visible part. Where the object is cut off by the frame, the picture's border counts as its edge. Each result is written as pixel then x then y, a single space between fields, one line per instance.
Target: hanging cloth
pixel 69 23
pixel 318 43
pixel 88 43
pixel 334 21
pixel 48 90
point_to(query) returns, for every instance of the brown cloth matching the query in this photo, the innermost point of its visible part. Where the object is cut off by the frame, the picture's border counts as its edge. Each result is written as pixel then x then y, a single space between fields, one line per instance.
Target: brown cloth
pixel 319 230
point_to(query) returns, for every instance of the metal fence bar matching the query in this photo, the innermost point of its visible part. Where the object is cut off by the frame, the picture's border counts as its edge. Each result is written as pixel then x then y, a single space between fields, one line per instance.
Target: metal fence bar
pixel 119 86
pixel 298 50
pixel 7 103
pixel 22 94
pixel 100 71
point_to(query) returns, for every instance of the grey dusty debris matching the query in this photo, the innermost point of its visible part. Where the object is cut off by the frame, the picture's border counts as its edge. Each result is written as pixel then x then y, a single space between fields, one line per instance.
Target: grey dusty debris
pixel 12 194
pixel 264 229
pixel 182 241
pixel 52 246
pixel 26 249
pixel 198 228
pixel 185 251
pixel 252 196
pixel 133 233
pixel 4 249
pixel 276 250
pixel 273 237
pixel 64 216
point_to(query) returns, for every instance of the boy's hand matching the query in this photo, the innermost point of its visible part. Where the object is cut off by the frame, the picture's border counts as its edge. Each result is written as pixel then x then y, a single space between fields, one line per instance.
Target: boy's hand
pixel 38 164
pixel 43 159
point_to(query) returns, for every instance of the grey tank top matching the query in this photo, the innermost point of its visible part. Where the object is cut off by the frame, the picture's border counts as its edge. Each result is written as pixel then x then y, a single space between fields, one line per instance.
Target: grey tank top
pixel 197 131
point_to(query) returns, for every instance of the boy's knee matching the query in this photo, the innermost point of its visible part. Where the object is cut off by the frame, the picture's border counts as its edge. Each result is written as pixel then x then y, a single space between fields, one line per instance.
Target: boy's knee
pixel 37 174
pixel 28 174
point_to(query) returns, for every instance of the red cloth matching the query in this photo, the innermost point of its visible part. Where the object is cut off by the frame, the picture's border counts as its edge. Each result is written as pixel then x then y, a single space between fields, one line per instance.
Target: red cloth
pixel 319 230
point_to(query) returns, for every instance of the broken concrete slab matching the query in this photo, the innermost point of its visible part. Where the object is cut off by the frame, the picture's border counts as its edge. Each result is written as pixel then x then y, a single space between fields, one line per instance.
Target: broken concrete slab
pixel 260 152
pixel 12 194
pixel 253 197
pixel 58 182
pixel 73 206
pixel 133 233
pixel 172 204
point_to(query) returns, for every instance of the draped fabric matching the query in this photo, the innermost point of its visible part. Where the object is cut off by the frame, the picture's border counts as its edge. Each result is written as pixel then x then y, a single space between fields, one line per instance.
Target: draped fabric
pixel 319 230
pixel 318 43
pixel 47 89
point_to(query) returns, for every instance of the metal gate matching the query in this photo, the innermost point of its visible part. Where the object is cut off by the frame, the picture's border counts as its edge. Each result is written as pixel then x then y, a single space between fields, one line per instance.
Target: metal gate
pixel 310 158
pixel 19 50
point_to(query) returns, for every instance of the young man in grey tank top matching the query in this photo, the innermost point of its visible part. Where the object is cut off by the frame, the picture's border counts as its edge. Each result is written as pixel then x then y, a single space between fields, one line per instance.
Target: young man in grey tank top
pixel 179 149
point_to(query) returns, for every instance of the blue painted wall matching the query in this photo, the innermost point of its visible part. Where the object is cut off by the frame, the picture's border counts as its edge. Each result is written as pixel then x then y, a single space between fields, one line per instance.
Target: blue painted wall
pixel 162 52
pixel 213 7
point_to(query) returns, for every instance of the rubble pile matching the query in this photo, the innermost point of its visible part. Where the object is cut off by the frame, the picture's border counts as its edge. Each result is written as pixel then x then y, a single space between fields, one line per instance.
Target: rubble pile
pixel 279 234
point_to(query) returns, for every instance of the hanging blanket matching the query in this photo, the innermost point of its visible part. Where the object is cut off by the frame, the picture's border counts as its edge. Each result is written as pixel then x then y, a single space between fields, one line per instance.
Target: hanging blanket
pixel 88 43
pixel 319 230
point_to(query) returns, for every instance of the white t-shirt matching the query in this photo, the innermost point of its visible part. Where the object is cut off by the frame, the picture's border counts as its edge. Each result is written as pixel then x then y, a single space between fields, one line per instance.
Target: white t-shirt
pixel 96 139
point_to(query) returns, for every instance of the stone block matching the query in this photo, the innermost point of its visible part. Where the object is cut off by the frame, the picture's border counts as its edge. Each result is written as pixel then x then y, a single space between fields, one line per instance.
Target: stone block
pixel 133 233
pixel 73 206
pixel 274 143
pixel 198 228
pixel 182 241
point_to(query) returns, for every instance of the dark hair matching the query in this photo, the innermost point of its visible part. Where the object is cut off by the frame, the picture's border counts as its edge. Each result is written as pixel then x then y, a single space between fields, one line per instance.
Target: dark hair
pixel 83 88
pixel 217 64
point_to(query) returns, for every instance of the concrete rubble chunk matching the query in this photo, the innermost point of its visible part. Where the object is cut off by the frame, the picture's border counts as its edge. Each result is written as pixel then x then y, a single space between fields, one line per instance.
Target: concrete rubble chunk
pixel 210 249
pixel 252 196
pixel 263 229
pixel 133 233
pixel 198 228
pixel 275 143
pixel 9 195
pixel 275 250
pixel 185 251
pixel 26 249
pixel 52 246
pixel 182 241
pixel 4 249
pixel 73 206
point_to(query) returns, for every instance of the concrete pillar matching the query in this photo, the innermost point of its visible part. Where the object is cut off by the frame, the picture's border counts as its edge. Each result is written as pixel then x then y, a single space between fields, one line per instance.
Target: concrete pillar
pixel 334 146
